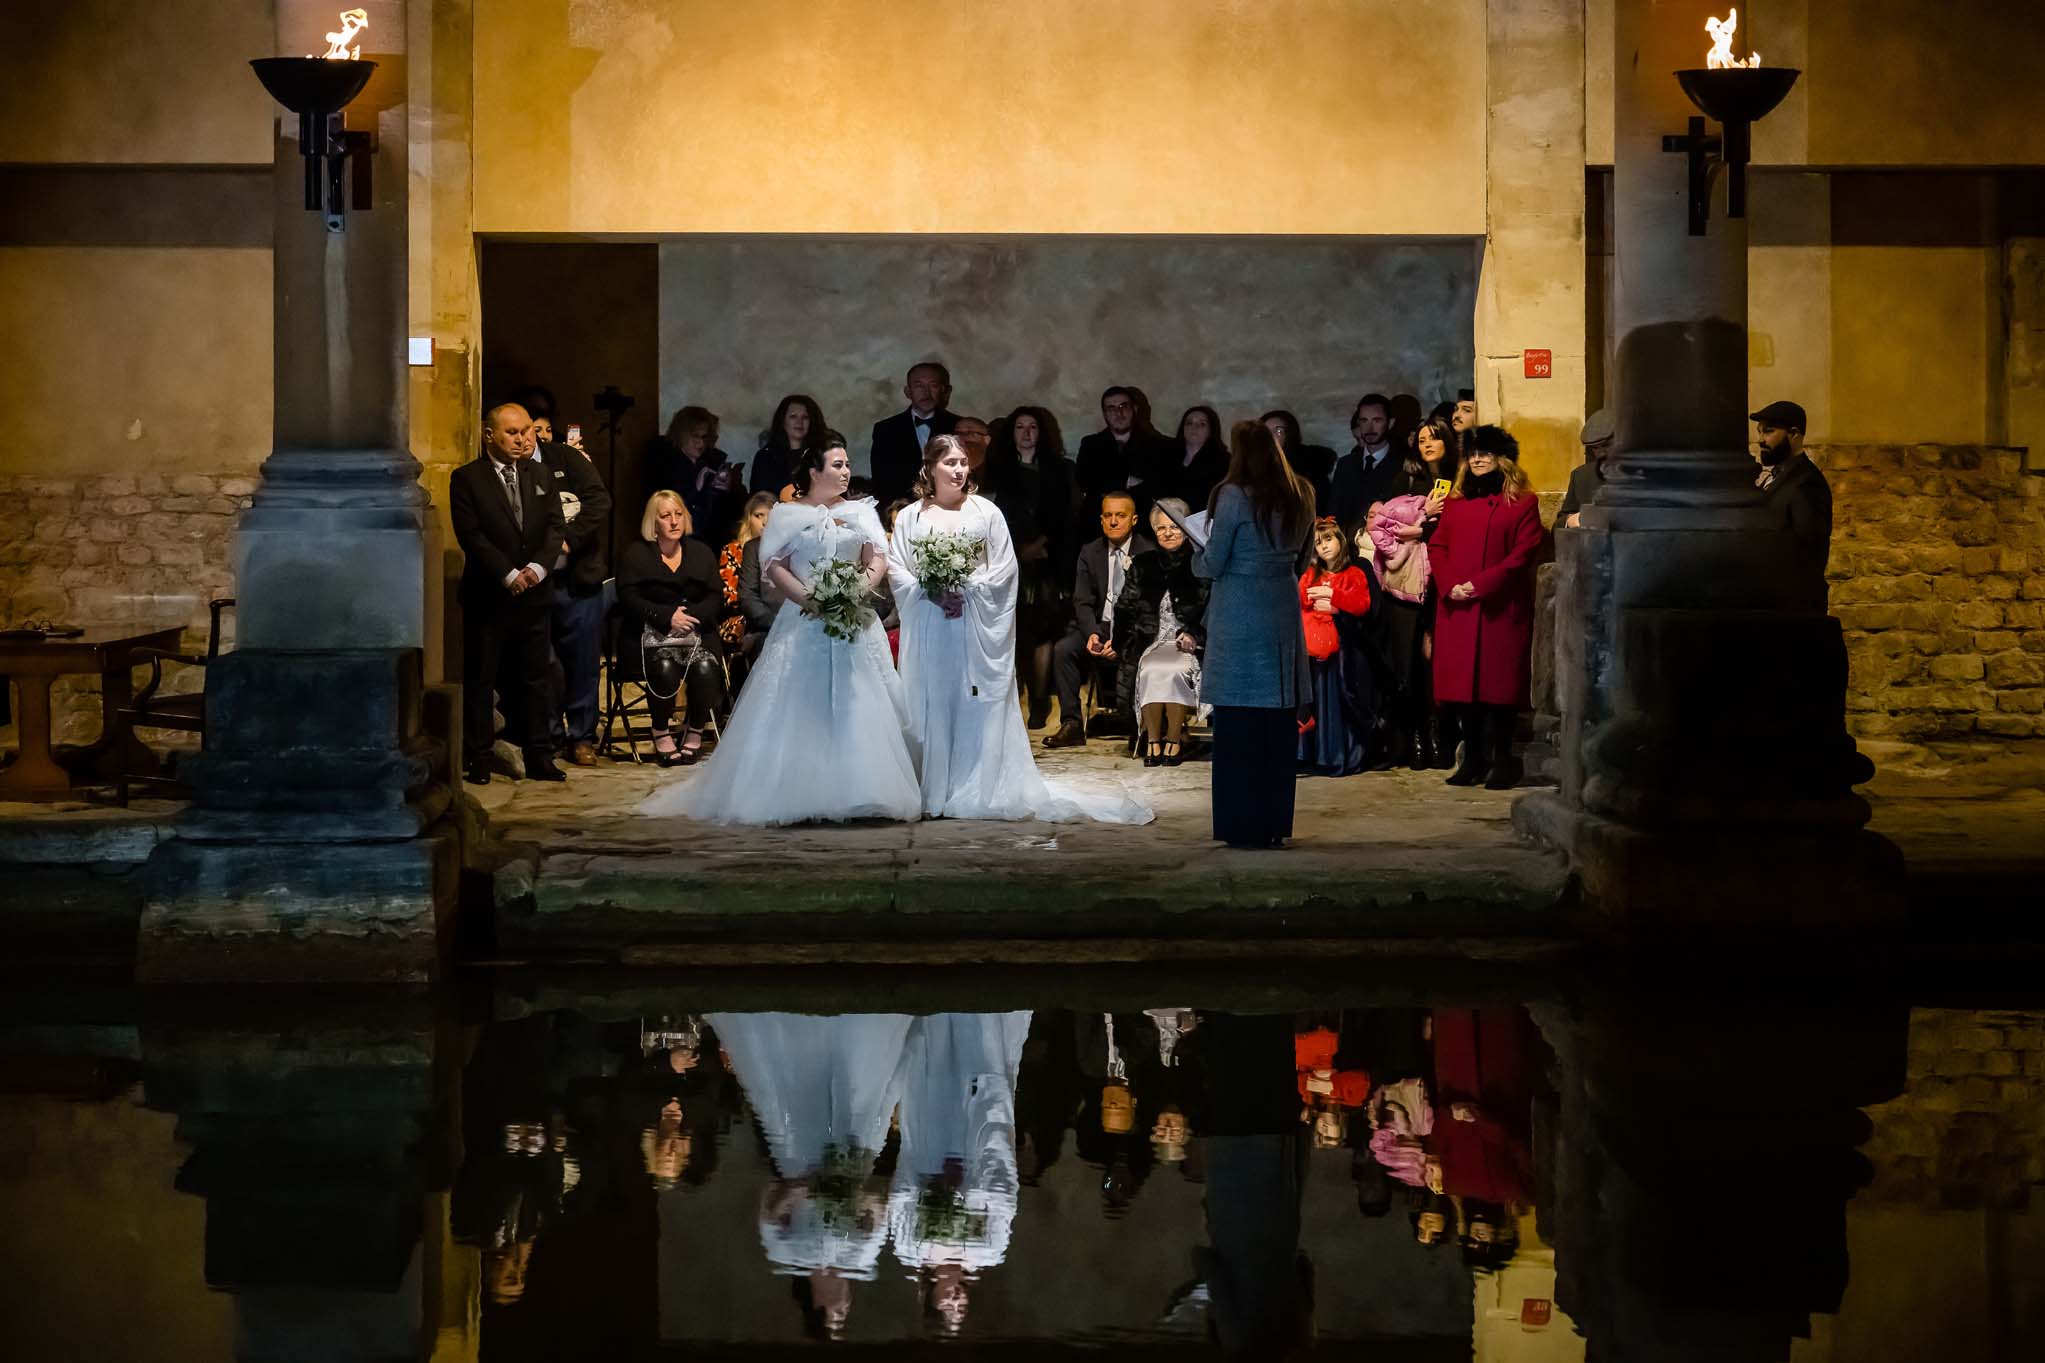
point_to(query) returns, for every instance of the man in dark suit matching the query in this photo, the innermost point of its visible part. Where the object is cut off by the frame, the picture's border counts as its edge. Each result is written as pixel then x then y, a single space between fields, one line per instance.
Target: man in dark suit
pixel 1586 478
pixel 578 572
pixel 1103 567
pixel 508 523
pixel 1123 456
pixel 1799 495
pixel 1372 471
pixel 759 599
pixel 898 441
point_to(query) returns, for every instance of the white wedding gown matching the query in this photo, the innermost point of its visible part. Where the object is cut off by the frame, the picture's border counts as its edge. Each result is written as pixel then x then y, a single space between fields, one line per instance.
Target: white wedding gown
pixel 958 680
pixel 818 732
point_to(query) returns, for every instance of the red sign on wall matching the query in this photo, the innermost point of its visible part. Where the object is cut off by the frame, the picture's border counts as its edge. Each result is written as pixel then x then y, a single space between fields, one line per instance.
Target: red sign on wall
pixel 1540 363
pixel 1535 1312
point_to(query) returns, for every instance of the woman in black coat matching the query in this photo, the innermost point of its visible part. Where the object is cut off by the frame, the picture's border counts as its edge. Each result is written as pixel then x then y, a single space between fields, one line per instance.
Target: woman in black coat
pixel 669 587
pixel 1157 634
pixel 798 424
pixel 1029 478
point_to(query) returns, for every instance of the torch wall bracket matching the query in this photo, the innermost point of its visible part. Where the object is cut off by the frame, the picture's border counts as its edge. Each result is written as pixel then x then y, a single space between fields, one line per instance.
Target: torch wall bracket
pixel 1707 153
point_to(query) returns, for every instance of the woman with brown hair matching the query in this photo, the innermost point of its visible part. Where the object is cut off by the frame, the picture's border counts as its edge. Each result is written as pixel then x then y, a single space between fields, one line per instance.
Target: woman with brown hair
pixel 1482 557
pixel 1255 674
pixel 798 424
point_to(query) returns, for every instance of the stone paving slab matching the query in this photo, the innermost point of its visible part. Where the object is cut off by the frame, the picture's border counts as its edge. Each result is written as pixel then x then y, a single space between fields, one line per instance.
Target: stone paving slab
pixel 1392 854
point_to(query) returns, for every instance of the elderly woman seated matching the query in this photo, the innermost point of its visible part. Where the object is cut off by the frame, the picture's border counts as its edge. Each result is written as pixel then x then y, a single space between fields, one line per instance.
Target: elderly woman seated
pixel 1157 636
pixel 669 586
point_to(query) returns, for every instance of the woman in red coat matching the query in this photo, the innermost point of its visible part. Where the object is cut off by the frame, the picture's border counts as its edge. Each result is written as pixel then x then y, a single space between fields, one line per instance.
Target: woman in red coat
pixel 1482 557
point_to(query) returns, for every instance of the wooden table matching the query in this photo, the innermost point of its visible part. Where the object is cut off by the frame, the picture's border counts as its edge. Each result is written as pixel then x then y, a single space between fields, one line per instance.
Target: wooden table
pixel 32 664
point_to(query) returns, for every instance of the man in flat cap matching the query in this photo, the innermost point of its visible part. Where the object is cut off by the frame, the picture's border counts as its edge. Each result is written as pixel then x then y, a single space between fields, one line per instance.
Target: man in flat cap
pixel 1798 494
pixel 1586 478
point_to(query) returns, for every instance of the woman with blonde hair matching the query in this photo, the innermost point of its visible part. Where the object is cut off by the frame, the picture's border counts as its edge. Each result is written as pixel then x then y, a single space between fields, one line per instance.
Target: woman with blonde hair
pixel 1482 557
pixel 668 585
pixel 1255 673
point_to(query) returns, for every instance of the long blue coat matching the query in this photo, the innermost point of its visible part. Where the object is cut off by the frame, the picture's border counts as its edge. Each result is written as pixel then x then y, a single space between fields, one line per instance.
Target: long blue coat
pixel 1256 651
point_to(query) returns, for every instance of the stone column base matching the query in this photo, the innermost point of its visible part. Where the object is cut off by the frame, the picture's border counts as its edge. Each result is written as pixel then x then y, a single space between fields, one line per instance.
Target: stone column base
pixel 1720 878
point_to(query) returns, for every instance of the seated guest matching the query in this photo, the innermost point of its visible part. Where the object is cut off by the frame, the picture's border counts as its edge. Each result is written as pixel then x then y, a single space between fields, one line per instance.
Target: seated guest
pixel 1029 478
pixel 1315 463
pixel 1371 471
pixel 668 586
pixel 896 455
pixel 1395 534
pixel 507 520
pixel 759 598
pixel 798 421
pixel 740 643
pixel 578 572
pixel 1334 596
pixel 1124 454
pixel 1202 458
pixel 687 459
pixel 1096 585
pixel 1157 635
pixel 1482 557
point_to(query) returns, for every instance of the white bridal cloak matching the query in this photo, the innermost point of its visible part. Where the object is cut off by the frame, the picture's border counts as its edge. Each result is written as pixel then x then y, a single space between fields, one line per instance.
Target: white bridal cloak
pixel 958 684
pixel 824 1090
pixel 818 732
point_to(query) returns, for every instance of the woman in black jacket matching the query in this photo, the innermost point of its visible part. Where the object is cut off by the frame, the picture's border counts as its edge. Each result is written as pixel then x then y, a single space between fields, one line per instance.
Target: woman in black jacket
pixel 1157 636
pixel 669 587
pixel 1029 478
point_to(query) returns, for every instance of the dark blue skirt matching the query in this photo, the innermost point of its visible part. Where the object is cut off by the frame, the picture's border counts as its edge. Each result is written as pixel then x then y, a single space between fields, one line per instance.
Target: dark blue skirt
pixel 1335 745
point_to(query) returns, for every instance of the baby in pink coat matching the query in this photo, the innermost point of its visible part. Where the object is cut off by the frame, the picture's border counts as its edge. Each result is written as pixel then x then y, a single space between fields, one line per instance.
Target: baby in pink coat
pixel 1401 564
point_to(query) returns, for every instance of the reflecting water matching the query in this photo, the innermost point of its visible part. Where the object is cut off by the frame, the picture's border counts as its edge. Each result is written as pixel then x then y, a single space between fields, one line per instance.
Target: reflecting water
pixel 1601 1177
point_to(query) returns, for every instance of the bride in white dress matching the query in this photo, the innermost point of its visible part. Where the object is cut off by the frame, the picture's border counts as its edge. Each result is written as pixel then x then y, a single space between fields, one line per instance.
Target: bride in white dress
pixel 818 732
pixel 958 666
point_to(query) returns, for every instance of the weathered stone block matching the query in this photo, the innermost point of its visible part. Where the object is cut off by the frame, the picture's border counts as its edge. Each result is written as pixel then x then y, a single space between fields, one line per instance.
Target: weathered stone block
pixel 2022 701
pixel 132 554
pixel 181 504
pixel 189 556
pixel 1997 588
pixel 1974 615
pixel 239 487
pixel 2011 726
pixel 2014 668
pixel 195 485
pixel 1994 641
pixel 2023 614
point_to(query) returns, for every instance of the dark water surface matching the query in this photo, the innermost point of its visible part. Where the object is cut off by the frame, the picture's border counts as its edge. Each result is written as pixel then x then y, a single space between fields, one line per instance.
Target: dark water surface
pixel 1517 1174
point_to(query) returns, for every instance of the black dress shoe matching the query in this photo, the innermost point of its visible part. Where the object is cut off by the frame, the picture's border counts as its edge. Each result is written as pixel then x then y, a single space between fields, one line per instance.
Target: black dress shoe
pixel 543 770
pixel 1069 735
pixel 476 774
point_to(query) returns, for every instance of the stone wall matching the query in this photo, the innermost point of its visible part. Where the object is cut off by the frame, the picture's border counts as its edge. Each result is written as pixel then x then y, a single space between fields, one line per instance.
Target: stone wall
pixel 1938 576
pixel 116 549
pixel 1967 1131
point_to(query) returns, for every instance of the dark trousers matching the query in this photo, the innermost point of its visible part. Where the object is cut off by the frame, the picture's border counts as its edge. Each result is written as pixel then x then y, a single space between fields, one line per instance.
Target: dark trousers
pixel 577 631
pixel 700 682
pixel 1255 753
pixel 511 644
pixel 1069 662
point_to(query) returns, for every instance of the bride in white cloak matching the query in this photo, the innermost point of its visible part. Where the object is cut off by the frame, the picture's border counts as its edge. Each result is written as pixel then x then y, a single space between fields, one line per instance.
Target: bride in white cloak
pixel 958 665
pixel 818 732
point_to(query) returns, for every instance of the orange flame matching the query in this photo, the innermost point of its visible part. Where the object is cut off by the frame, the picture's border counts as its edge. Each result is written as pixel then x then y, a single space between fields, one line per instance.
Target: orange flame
pixel 353 24
pixel 1721 57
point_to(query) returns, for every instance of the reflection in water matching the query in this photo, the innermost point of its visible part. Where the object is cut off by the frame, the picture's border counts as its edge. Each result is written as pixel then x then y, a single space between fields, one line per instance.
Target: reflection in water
pixel 1422 1183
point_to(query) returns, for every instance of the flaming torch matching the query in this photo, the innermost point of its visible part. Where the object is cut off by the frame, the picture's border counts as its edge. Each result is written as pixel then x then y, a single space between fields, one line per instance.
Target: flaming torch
pixel 317 89
pixel 1737 93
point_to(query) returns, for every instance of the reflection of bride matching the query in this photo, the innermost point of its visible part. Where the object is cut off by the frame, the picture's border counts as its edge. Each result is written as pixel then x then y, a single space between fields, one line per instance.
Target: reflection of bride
pixel 823 1090
pixel 818 731
pixel 953 1203
pixel 958 663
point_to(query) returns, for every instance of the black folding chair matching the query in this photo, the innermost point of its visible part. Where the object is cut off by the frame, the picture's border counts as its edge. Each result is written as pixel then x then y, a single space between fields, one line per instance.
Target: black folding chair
pixel 183 711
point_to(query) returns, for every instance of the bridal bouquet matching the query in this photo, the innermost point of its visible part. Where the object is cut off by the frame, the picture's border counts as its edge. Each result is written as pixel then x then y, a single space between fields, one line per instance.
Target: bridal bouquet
pixel 943 562
pixel 839 596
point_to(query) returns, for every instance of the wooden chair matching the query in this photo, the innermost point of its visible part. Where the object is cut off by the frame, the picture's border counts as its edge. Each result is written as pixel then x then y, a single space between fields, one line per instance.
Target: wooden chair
pixel 184 711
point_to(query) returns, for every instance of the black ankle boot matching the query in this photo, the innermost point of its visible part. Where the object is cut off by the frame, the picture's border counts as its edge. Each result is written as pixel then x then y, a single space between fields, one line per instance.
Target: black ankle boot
pixel 1423 749
pixel 1506 769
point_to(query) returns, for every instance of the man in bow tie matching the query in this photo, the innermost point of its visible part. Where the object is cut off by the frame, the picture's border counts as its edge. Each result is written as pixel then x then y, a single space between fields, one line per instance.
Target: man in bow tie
pixel 898 441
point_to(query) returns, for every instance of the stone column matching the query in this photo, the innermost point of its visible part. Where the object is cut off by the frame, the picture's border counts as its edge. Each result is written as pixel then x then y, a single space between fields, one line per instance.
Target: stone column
pixel 314 846
pixel 1706 775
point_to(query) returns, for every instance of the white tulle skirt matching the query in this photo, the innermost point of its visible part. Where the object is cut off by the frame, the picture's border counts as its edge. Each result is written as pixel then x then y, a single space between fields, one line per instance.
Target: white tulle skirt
pixel 818 734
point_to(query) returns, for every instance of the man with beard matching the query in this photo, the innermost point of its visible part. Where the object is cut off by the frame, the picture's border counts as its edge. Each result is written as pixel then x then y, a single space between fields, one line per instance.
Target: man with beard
pixel 1798 494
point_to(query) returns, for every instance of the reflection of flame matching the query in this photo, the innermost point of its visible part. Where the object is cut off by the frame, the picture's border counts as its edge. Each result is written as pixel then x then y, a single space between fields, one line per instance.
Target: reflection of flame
pixel 1720 57
pixel 353 22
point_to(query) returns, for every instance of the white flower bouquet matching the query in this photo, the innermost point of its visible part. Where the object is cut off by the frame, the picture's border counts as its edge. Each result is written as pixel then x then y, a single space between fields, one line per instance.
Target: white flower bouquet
pixel 944 560
pixel 839 596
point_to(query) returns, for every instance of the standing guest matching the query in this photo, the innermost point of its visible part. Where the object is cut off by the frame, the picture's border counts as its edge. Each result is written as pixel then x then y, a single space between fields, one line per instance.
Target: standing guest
pixel 798 424
pixel 1395 534
pixel 737 628
pixel 1482 556
pixel 668 585
pixel 1465 418
pixel 897 452
pixel 1406 415
pixel 1315 463
pixel 1030 480
pixel 1371 471
pixel 1799 494
pixel 1586 478
pixel 1436 444
pixel 974 436
pixel 1434 447
pixel 1157 632
pixel 688 460
pixel 1122 456
pixel 578 572
pixel 1096 587
pixel 1202 458
pixel 508 523
pixel 1334 596
pixel 1255 674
